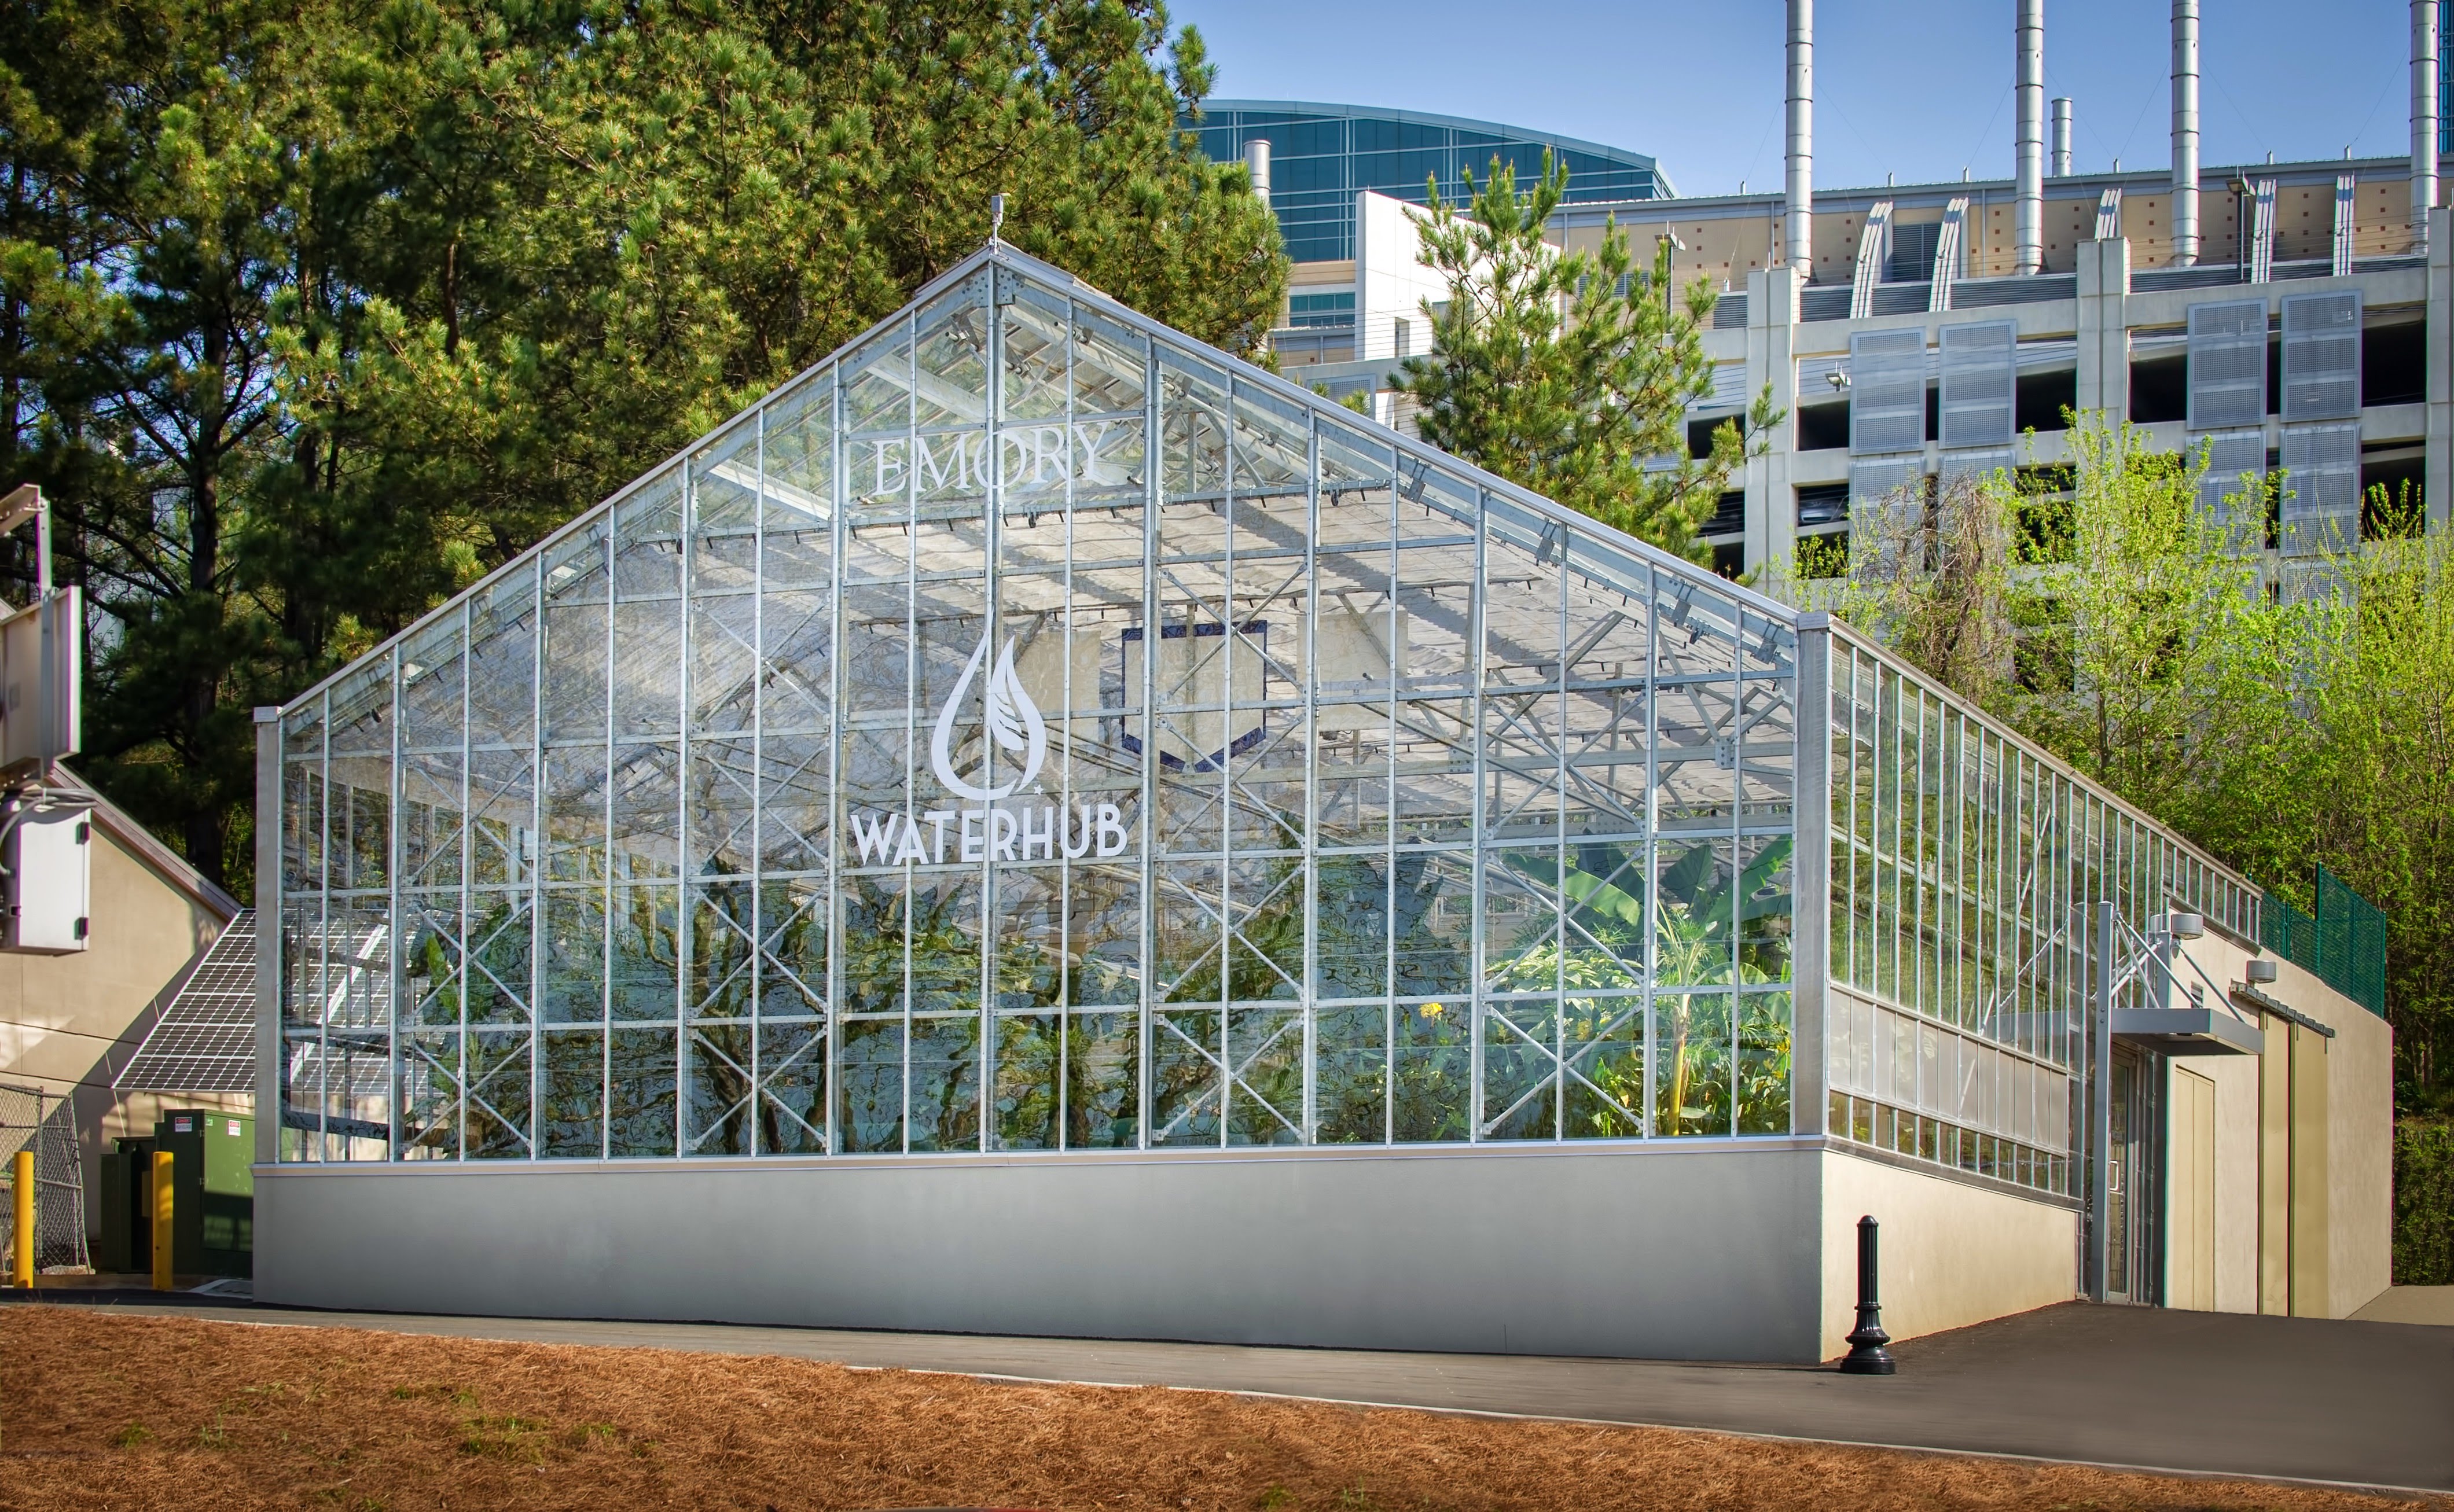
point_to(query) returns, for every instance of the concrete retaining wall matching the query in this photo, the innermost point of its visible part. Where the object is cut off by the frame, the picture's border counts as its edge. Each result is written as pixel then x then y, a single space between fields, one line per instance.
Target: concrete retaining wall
pixel 1687 1251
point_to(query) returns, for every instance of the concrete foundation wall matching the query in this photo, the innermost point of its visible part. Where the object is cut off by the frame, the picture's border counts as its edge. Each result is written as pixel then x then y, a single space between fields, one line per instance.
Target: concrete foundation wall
pixel 1692 1251
pixel 1954 1253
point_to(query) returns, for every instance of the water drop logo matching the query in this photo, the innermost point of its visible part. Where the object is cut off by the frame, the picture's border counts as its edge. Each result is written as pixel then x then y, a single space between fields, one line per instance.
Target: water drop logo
pixel 1013 725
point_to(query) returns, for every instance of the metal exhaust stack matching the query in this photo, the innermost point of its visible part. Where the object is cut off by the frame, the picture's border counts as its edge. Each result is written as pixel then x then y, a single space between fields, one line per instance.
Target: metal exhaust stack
pixel 2029 217
pixel 2061 164
pixel 1798 224
pixel 1256 164
pixel 2185 134
pixel 2423 115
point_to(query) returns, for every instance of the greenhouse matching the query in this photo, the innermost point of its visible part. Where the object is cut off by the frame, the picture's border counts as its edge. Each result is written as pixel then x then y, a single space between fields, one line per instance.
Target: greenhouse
pixel 1037 781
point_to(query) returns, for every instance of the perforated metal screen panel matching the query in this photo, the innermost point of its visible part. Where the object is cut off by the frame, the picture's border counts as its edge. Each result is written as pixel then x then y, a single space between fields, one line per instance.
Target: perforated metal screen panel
pixel 1887 508
pixel 2222 490
pixel 1955 466
pixel 2228 365
pixel 2322 356
pixel 1887 391
pixel 205 1041
pixel 2321 489
pixel 1979 382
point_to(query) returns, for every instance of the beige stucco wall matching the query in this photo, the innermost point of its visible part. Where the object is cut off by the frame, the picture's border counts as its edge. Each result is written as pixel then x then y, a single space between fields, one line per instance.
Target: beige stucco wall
pixel 69 1022
pixel 2359 1139
pixel 2360 1136
pixel 1954 1253
pixel 2236 1175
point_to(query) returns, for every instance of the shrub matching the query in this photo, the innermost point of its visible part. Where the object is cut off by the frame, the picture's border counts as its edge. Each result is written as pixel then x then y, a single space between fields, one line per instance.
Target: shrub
pixel 2424 1202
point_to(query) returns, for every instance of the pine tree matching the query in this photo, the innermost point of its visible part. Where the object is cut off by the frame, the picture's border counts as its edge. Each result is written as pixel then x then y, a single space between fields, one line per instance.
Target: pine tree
pixel 314 311
pixel 1571 373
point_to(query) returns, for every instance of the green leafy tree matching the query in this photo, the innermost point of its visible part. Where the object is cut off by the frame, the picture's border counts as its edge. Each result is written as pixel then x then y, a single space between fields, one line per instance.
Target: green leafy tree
pixel 311 312
pixel 1572 372
pixel 2285 714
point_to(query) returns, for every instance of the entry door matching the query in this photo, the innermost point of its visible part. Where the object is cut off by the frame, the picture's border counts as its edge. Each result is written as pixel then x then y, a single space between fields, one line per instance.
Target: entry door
pixel 2190 1192
pixel 2130 1272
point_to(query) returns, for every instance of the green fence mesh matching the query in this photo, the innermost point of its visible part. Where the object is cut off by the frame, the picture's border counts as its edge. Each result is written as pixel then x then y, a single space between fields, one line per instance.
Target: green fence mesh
pixel 2344 944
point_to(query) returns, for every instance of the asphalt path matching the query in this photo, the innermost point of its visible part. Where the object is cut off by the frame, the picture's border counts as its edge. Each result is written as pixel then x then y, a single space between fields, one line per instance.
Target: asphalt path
pixel 2345 1402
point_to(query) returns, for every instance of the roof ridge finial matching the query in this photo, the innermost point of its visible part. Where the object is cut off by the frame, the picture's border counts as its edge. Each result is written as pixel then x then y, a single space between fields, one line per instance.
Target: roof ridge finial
pixel 996 215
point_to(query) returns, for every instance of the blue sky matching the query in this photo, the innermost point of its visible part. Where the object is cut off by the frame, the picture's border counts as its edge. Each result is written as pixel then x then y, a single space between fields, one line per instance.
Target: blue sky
pixel 1920 88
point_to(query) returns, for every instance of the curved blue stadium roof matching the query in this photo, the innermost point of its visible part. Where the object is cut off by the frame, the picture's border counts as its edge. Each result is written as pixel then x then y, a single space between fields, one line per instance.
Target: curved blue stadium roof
pixel 1321 154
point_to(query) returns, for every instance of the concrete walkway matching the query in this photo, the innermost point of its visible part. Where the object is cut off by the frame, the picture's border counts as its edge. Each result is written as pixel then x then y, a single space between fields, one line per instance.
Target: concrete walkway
pixel 2411 1305
pixel 2367 1403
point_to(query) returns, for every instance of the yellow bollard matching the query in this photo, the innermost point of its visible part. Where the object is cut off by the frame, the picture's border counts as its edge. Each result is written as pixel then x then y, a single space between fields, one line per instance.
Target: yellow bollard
pixel 162 1243
pixel 21 1271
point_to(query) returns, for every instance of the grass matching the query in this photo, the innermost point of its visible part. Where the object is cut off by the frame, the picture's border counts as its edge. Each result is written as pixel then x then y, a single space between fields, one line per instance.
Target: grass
pixel 101 1411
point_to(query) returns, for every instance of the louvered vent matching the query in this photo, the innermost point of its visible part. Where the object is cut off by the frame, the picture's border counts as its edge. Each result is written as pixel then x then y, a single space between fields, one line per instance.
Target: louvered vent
pixel 1979 383
pixel 1729 383
pixel 2228 365
pixel 2321 489
pixel 1887 391
pixel 2322 356
pixel 2224 494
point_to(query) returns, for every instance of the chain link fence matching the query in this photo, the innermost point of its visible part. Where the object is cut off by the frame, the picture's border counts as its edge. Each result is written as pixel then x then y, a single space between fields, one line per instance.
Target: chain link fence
pixel 2344 944
pixel 46 1124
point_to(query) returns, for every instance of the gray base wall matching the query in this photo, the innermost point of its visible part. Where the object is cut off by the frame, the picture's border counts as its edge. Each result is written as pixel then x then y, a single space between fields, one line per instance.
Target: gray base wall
pixel 1692 1251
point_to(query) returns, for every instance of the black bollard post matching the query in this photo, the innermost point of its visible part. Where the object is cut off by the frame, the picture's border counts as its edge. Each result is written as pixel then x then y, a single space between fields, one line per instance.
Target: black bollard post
pixel 1867 1356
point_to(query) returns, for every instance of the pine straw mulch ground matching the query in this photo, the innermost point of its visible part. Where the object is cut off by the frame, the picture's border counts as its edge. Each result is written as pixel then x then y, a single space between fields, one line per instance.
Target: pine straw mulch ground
pixel 102 1411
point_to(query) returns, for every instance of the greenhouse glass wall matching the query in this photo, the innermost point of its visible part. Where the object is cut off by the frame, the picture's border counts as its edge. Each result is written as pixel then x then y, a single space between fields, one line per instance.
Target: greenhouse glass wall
pixel 1031 731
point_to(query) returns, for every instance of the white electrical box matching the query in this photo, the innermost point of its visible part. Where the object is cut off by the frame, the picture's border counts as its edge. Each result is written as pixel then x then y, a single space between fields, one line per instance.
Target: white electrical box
pixel 40 670
pixel 48 853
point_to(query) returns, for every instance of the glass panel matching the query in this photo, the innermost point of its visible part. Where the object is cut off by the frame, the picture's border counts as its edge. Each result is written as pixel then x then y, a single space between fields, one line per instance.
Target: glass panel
pixel 640 1092
pixel 1432 1073
pixel 573 1121
pixel 1693 1088
pixel 1351 1051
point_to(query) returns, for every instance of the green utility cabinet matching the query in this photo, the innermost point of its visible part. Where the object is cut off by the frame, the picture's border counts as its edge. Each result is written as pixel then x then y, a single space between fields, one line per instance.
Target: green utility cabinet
pixel 126 1208
pixel 213 1196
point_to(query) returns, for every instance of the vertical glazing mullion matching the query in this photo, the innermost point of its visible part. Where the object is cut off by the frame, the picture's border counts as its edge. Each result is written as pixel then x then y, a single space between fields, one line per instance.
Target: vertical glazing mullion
pixel 1059 863
pixel 915 655
pixel 838 486
pixel 685 909
pixel 992 540
pixel 1389 828
pixel 1738 725
pixel 323 939
pixel 534 859
pixel 393 845
pixel 1478 657
pixel 1153 471
pixel 758 909
pixel 1556 696
pixel 605 552
pixel 1649 847
pixel 1309 637
pixel 1896 861
pixel 1230 890
pixel 468 876
pixel 1927 1000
